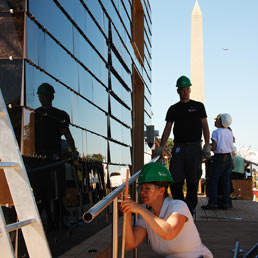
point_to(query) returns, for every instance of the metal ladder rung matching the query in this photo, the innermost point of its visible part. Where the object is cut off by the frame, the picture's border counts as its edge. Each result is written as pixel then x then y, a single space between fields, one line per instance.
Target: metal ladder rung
pixel 20 224
pixel 9 165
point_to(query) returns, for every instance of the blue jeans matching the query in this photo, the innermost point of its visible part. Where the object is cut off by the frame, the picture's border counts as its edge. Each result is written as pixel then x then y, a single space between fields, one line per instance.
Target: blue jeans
pixel 221 166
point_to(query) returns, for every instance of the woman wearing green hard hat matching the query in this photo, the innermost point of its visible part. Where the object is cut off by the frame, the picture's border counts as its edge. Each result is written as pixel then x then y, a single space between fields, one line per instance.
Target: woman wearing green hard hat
pixel 169 224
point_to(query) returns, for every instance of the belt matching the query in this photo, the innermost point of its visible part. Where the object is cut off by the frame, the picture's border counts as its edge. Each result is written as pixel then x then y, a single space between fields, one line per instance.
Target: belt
pixel 187 143
pixel 221 154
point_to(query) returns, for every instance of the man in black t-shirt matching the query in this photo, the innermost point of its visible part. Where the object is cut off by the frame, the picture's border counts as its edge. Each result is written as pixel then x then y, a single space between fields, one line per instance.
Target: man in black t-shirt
pixel 190 121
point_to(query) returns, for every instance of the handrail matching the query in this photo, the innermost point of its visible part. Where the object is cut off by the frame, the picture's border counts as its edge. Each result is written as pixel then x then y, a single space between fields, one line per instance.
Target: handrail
pixel 48 166
pixel 252 163
pixel 93 212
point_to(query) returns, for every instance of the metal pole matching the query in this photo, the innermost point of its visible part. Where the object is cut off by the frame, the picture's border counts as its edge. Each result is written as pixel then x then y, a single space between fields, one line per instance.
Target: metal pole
pixel 236 250
pixel 253 252
pixel 135 253
pixel 93 212
pixel 115 228
pixel 20 224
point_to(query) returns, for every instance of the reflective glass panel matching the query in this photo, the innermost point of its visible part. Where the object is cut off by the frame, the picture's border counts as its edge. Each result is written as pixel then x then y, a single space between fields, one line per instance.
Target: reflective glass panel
pixel 16 5
pixel 34 78
pixel 147 93
pixel 91 117
pixel 126 135
pixel 60 27
pixel 116 130
pixel 125 18
pixel 31 87
pixel 105 22
pixel 126 77
pixel 95 36
pixel 147 68
pixel 11 78
pixel 96 145
pixel 69 6
pixel 147 107
pixel 121 169
pixel 62 98
pixel 32 41
pixel 86 84
pixel 121 49
pixel 80 15
pixel 95 9
pixel 120 112
pixel 103 73
pixel 78 139
pixel 147 55
pixel 120 154
pixel 120 91
pixel 147 119
pixel 11 34
pixel 111 11
pixel 28 136
pixel 128 8
pixel 100 96
pixel 120 132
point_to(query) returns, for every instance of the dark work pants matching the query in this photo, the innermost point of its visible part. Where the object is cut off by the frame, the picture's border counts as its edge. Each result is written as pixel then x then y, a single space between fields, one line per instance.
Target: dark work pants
pixel 185 164
pixel 221 169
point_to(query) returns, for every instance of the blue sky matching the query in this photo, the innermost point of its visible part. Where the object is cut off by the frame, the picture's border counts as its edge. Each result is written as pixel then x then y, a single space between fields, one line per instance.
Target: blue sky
pixel 231 81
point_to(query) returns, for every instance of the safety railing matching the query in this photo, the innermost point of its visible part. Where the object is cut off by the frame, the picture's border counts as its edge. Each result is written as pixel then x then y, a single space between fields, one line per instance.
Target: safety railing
pixel 251 166
pixel 93 212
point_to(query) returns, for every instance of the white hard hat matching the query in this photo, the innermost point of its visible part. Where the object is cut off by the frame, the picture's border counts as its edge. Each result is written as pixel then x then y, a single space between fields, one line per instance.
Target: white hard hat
pixel 226 120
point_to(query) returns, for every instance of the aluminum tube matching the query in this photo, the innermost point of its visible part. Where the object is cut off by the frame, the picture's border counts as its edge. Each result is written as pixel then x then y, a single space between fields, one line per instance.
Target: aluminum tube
pixel 93 212
pixel 20 224
pixel 236 250
pixel 253 252
pixel 51 165
pixel 9 165
pixel 115 228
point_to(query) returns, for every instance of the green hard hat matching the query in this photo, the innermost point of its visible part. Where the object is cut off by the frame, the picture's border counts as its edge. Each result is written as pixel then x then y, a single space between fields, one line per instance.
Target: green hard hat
pixel 45 89
pixel 183 82
pixel 154 172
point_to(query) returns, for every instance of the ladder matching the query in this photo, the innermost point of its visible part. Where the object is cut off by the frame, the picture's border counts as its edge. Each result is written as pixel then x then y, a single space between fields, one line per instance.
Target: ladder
pixel 28 217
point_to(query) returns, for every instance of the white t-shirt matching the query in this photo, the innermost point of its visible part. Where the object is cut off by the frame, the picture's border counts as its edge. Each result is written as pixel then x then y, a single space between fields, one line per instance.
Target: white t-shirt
pixel 187 244
pixel 224 139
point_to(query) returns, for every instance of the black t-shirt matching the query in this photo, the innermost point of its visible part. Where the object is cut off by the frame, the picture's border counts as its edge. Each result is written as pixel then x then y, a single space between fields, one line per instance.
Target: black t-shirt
pixel 187 120
pixel 48 125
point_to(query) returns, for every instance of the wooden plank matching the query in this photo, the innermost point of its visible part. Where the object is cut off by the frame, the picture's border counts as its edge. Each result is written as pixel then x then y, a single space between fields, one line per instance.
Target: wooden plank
pixel 221 215
pixel 231 213
pixel 200 214
pixel 246 209
pixel 220 237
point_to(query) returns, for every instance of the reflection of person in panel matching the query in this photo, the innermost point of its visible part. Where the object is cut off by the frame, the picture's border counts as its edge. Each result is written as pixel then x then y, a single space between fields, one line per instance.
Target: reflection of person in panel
pixel 50 124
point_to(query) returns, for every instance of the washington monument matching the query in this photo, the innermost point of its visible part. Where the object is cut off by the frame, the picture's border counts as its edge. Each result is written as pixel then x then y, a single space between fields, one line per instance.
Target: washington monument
pixel 197 67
